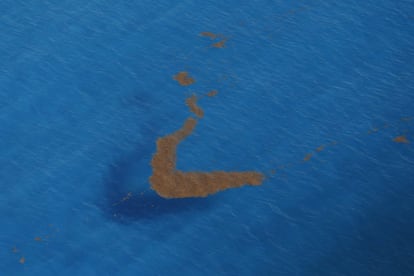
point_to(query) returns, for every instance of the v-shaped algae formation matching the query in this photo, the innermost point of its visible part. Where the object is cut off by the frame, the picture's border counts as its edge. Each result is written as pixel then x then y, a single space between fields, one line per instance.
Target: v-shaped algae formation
pixel 169 182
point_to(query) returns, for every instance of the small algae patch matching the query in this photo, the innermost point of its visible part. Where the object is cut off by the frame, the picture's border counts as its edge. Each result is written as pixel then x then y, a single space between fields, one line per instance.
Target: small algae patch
pixel 183 78
pixel 212 93
pixel 209 34
pixel 307 157
pixel 401 139
pixel 194 108
pixel 213 36
pixel 220 44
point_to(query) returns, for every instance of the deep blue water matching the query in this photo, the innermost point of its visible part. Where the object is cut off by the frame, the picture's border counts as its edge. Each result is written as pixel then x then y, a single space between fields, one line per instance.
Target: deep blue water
pixel 86 88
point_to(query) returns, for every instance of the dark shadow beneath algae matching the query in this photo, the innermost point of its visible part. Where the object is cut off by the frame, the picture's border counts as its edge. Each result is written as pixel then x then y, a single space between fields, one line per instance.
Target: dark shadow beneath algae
pixel 127 195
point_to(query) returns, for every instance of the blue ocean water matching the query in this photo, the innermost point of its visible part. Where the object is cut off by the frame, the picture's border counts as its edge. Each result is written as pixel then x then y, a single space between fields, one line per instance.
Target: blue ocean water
pixel 86 88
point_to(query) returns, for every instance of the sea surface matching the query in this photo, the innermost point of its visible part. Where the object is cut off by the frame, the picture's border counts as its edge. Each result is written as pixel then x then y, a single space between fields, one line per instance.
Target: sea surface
pixel 317 95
